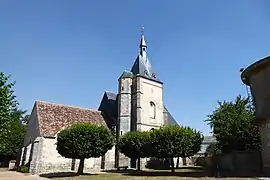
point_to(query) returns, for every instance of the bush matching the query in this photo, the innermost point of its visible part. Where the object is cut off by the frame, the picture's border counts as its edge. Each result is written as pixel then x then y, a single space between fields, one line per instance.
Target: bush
pixel 24 169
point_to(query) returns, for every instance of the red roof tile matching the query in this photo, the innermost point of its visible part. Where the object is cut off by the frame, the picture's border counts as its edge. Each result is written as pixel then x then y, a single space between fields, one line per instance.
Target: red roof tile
pixel 52 118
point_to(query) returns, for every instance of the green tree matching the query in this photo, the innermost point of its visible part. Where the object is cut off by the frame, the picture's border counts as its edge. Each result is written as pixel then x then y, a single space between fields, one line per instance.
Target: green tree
pixel 12 142
pixel 175 141
pixel 232 125
pixel 11 130
pixel 135 144
pixel 84 140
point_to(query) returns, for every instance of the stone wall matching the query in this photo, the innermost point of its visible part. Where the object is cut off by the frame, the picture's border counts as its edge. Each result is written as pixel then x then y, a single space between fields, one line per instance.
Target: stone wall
pixel 147 91
pixel 264 128
pixel 240 161
pixel 46 159
pixel 32 128
pixel 260 89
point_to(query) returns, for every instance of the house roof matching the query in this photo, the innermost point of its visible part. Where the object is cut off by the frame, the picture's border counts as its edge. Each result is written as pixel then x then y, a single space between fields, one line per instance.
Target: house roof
pixel 254 69
pixel 52 118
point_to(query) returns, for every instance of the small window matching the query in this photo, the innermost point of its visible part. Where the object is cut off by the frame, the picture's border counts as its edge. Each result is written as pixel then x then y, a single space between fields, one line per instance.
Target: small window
pixel 152 110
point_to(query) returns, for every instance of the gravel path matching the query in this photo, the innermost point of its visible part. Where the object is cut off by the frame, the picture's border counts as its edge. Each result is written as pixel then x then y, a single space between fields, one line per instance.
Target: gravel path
pixel 12 175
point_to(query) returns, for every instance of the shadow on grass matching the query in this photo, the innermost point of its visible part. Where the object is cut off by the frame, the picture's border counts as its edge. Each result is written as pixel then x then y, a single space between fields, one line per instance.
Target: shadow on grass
pixel 63 174
pixel 181 172
pixel 187 172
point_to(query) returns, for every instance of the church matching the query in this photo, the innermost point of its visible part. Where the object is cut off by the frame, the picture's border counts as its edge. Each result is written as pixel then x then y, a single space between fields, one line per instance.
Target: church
pixel 137 106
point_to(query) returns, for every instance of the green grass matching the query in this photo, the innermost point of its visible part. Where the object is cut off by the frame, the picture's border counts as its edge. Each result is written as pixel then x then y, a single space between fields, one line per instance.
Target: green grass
pixel 126 177
pixel 180 174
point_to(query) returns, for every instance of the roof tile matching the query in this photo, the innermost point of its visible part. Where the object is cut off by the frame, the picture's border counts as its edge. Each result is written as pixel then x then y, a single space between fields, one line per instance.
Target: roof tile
pixel 52 118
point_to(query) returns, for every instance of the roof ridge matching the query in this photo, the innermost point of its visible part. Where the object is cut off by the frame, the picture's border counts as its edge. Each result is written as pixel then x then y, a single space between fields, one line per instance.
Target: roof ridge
pixel 64 105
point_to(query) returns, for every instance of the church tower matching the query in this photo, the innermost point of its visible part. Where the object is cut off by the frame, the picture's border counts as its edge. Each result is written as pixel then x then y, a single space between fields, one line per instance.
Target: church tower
pixel 124 102
pixel 124 113
pixel 140 100
pixel 147 93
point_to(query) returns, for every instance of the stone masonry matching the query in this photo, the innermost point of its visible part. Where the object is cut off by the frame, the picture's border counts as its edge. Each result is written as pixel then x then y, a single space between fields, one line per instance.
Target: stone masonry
pixel 257 77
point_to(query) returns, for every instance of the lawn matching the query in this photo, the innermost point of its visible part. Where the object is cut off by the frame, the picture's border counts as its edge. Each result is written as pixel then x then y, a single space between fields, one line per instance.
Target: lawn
pixel 181 174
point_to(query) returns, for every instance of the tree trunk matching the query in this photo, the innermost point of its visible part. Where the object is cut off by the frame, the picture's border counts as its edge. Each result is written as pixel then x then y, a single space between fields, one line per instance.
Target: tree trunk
pixel 138 164
pixel 184 161
pixel 81 166
pixel 172 165
pixel 177 162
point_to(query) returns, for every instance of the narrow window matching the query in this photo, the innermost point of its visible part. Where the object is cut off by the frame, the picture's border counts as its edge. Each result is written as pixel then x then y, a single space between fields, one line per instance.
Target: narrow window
pixel 152 110
pixel 73 164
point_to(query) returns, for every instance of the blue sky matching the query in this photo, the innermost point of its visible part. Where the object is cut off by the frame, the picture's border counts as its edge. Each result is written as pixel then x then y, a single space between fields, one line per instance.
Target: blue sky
pixel 70 52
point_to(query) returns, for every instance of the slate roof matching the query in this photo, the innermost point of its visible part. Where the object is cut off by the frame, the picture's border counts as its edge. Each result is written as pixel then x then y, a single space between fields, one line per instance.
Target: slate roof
pixel 109 108
pixel 170 119
pixel 126 74
pixel 143 67
pixel 52 118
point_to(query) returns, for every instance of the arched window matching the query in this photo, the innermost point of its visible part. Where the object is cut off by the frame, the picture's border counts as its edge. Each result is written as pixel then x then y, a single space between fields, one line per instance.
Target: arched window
pixel 152 110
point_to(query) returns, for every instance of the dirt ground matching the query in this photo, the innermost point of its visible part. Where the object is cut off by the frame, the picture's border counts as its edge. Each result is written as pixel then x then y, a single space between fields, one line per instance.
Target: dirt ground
pixel 13 175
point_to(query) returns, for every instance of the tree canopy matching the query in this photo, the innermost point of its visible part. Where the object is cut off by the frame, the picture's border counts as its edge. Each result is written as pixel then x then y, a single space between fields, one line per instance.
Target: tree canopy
pixel 167 142
pixel 84 140
pixel 175 141
pixel 135 144
pixel 232 125
pixel 12 131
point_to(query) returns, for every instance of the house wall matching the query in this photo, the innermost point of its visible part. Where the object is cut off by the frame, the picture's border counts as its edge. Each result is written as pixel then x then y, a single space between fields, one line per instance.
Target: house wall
pixel 32 128
pixel 46 159
pixel 31 136
pixel 260 89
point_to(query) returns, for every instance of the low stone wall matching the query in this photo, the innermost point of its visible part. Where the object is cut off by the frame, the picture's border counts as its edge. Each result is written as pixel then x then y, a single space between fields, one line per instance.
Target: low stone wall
pixel 240 161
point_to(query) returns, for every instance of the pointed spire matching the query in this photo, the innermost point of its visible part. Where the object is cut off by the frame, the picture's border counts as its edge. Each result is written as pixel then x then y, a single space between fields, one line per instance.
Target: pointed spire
pixel 143 45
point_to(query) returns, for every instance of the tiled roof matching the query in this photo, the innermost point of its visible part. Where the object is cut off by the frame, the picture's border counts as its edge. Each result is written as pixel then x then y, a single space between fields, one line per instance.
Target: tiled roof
pixel 52 118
